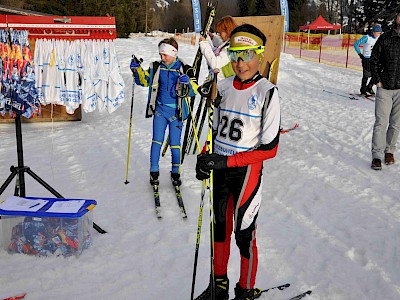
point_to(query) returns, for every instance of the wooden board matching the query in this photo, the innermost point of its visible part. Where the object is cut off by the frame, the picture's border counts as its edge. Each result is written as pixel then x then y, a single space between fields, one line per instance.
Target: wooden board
pixel 272 27
pixel 50 112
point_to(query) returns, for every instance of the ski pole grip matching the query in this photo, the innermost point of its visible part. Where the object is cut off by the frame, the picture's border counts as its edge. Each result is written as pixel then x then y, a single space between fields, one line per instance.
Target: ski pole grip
pixel 137 60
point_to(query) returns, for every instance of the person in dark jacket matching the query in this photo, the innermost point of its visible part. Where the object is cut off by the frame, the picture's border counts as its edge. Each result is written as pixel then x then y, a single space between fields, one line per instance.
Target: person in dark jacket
pixel 385 67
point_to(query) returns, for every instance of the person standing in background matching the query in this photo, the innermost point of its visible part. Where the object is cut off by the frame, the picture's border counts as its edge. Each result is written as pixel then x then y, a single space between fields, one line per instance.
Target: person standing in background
pixel 164 105
pixel 368 41
pixel 385 66
pixel 214 48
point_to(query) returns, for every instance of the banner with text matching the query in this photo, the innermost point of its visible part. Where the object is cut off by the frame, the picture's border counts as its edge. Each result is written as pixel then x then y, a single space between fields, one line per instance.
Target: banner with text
pixel 285 12
pixel 196 15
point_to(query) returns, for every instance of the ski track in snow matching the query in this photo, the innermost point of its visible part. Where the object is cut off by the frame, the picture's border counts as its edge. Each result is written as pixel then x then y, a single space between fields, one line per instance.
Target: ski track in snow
pixel 327 223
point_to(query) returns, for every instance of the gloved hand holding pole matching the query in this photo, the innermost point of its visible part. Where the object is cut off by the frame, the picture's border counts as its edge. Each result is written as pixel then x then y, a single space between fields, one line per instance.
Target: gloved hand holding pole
pixel 135 63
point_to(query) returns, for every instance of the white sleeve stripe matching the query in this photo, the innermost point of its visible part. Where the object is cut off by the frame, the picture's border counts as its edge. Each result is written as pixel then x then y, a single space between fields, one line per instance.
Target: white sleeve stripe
pixel 271 121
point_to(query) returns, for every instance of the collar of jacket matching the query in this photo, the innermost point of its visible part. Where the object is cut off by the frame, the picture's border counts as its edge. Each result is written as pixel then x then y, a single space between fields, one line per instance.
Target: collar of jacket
pixel 242 85
pixel 171 66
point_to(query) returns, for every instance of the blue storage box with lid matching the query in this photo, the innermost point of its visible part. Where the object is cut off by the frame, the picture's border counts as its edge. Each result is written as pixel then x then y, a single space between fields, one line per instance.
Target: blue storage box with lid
pixel 46 226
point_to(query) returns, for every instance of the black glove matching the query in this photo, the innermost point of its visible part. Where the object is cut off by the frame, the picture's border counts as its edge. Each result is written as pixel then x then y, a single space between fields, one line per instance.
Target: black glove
pixel 207 162
pixel 361 56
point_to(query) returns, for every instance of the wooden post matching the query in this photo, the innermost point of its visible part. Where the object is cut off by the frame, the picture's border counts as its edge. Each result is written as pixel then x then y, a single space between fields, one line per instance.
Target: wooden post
pixel 347 52
pixel 272 27
pixel 301 42
pixel 320 49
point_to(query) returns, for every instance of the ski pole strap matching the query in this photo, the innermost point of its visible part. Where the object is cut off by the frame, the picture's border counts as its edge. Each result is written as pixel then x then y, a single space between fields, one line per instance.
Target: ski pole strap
pixel 182 90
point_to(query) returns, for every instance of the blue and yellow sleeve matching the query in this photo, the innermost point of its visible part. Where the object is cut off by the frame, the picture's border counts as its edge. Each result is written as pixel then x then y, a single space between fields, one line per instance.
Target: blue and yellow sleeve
pixel 142 77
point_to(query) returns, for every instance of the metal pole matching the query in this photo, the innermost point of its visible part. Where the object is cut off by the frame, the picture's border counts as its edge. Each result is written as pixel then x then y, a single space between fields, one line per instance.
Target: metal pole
pixel 20 156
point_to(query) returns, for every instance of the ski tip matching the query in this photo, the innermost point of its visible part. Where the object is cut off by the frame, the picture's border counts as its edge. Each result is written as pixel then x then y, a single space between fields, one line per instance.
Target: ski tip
pixel 301 296
pixel 279 287
pixel 158 213
pixel 22 296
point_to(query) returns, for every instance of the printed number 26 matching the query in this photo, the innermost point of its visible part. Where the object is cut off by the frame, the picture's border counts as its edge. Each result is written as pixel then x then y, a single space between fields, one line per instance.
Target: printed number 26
pixel 235 132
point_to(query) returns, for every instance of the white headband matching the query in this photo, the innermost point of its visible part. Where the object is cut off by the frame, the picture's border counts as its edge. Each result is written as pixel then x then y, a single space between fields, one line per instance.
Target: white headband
pixel 168 49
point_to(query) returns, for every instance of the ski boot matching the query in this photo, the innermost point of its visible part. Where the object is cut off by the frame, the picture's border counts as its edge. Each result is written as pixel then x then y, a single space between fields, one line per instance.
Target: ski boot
pixel 246 294
pixel 154 178
pixel 176 179
pixel 221 290
pixel 363 92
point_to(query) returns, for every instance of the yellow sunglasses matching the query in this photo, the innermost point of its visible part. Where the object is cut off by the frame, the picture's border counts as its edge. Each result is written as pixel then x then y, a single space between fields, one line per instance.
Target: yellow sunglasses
pixel 245 53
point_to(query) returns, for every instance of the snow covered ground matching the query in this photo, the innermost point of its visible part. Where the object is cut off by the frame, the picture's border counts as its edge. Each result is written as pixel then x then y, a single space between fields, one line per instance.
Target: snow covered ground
pixel 327 223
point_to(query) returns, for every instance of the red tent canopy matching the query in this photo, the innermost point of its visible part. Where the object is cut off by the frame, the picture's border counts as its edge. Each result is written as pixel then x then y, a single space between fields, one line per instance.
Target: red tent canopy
pixel 320 24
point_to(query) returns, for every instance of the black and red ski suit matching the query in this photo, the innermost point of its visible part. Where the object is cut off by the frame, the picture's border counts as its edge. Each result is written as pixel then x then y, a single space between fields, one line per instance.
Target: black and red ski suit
pixel 237 188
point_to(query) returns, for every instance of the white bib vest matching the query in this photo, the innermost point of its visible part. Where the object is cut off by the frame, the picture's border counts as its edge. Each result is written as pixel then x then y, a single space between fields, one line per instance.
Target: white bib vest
pixel 241 111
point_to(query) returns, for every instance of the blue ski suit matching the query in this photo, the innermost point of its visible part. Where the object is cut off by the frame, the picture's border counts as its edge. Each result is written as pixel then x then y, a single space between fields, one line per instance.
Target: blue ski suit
pixel 167 108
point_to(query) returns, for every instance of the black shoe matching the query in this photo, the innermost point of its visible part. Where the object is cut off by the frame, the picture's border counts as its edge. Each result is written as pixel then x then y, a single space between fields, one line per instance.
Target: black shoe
pixel 376 164
pixel 246 294
pixel 221 290
pixel 389 159
pixel 154 178
pixel 371 92
pixel 176 179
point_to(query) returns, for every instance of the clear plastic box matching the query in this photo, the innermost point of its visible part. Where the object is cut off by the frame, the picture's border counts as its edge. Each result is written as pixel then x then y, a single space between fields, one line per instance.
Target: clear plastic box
pixel 43 233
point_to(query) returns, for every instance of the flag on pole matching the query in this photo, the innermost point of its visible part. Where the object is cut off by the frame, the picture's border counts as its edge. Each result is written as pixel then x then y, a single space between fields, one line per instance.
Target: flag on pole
pixel 285 12
pixel 196 15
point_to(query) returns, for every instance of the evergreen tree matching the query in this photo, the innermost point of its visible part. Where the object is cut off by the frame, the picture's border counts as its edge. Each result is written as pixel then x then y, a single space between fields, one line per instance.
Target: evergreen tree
pixel 48 7
pixel 266 7
pixel 372 12
pixel 173 18
pixel 297 17
pixel 243 7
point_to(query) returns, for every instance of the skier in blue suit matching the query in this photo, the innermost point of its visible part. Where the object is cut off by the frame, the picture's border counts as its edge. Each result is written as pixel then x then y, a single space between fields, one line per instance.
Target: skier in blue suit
pixel 368 41
pixel 165 79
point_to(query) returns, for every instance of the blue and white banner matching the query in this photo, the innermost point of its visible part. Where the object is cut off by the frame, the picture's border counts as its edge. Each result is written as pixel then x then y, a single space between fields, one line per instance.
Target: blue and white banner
pixel 285 12
pixel 196 15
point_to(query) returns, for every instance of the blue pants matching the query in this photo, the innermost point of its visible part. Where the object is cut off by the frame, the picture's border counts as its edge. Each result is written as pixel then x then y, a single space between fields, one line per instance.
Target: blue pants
pixel 166 116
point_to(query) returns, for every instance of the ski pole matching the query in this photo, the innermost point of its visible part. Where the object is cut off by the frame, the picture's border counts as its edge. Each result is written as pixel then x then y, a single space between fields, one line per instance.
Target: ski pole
pixel 130 118
pixel 210 105
pixel 199 222
pixel 199 225
pixel 204 91
pixel 210 150
pixel 165 147
pixel 200 129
